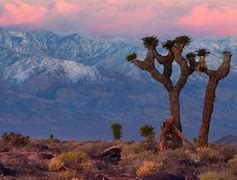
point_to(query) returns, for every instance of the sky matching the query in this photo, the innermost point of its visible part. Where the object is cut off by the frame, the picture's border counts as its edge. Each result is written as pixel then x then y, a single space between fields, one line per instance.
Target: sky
pixel 123 18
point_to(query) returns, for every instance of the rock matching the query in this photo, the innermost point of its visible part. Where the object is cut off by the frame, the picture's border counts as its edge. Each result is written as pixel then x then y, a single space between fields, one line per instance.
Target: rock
pixel 3 170
pixel 110 155
pixel 164 176
pixel 46 155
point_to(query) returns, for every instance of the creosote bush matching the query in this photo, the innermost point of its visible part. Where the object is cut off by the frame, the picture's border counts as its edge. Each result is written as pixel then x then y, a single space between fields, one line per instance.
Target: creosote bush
pixel 15 139
pixel 116 130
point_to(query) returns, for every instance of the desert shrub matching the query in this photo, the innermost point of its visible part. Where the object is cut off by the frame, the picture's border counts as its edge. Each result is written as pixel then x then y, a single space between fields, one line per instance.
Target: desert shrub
pixel 15 139
pixel 116 130
pixel 146 168
pixel 214 175
pixel 209 155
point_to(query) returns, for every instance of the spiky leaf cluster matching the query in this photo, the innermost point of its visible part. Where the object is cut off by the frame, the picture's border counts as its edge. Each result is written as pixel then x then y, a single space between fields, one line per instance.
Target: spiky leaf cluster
pixel 184 40
pixel 168 44
pixel 150 41
pixel 226 52
pixel 132 57
pixel 202 52
pixel 202 68
pixel 190 55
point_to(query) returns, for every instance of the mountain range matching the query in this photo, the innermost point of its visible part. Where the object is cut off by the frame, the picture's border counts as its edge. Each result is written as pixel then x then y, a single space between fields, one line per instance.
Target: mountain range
pixel 76 86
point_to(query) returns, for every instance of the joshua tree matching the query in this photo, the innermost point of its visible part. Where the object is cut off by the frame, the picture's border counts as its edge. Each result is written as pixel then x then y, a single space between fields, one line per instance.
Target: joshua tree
pixel 147 131
pixel 214 77
pixel 116 130
pixel 187 66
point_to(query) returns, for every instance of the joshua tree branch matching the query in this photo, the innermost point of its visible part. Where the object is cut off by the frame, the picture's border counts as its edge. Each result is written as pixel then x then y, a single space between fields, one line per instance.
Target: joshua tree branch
pixel 166 61
pixel 148 65
pixel 186 70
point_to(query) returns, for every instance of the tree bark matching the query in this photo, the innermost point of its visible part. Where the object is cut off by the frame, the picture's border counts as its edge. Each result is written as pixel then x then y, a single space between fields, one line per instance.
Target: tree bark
pixel 175 112
pixel 207 112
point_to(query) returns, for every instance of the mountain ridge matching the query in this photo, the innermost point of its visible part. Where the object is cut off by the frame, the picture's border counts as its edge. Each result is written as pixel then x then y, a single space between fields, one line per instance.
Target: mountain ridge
pixel 68 82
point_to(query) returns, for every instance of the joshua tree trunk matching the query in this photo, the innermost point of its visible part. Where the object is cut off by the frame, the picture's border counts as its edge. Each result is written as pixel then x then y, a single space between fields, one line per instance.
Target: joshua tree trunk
pixel 214 77
pixel 207 112
pixel 175 113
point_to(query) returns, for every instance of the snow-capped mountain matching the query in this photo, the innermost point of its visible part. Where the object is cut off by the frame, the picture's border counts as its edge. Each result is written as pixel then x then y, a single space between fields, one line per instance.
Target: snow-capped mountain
pixel 72 84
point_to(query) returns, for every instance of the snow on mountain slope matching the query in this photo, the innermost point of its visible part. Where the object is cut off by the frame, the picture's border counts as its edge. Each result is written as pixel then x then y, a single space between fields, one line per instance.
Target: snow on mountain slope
pixel 27 68
pixel 100 53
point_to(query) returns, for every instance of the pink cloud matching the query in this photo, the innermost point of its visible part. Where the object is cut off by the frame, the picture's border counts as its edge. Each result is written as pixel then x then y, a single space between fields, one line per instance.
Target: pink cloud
pixel 19 12
pixel 205 20
pixel 127 18
pixel 63 7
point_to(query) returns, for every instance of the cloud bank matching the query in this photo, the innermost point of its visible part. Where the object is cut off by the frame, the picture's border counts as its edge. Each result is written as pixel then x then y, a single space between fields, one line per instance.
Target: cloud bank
pixel 123 18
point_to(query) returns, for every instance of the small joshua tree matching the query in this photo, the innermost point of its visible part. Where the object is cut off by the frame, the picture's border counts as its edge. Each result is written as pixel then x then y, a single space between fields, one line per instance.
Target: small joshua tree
pixel 116 130
pixel 51 137
pixel 147 131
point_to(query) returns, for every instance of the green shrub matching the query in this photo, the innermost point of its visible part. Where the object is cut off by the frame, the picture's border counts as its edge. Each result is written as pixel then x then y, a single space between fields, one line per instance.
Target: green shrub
pixel 116 130
pixel 147 131
pixel 15 139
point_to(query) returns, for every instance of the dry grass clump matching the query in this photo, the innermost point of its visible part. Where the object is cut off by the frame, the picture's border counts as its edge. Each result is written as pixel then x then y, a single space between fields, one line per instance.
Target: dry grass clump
pixel 233 164
pixel 134 154
pixel 74 160
pixel 66 175
pixel 146 168
pixel 208 155
pixel 55 164
pixel 214 175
